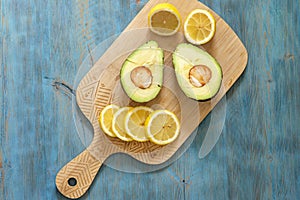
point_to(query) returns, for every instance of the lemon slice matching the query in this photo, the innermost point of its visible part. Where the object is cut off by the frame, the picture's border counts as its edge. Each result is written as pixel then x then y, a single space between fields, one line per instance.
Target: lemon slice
pixel 164 19
pixel 199 27
pixel 162 127
pixel 135 123
pixel 106 117
pixel 118 125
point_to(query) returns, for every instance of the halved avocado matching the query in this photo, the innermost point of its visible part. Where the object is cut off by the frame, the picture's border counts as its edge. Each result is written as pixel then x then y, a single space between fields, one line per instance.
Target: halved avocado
pixel 198 74
pixel 142 72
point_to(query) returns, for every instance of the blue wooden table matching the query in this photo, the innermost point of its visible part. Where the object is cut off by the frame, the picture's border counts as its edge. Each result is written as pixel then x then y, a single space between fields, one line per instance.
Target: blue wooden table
pixel 44 42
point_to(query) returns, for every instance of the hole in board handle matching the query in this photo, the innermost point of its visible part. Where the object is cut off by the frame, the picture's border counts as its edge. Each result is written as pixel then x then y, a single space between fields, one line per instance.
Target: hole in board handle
pixel 72 182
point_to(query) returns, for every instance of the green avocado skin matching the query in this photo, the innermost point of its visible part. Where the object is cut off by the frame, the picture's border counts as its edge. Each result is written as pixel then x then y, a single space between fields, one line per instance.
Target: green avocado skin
pixel 150 56
pixel 184 58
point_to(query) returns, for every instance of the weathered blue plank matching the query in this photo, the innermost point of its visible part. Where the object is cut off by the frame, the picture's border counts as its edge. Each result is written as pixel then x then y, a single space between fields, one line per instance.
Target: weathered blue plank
pixel 2 106
pixel 44 43
pixel 23 136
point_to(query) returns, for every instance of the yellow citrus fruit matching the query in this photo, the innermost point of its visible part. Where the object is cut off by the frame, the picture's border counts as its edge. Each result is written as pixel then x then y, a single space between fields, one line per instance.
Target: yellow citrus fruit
pixel 162 127
pixel 164 19
pixel 135 123
pixel 199 27
pixel 105 119
pixel 118 125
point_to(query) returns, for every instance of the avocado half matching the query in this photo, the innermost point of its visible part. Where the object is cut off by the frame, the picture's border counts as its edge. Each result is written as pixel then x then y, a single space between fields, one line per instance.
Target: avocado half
pixel 142 72
pixel 198 74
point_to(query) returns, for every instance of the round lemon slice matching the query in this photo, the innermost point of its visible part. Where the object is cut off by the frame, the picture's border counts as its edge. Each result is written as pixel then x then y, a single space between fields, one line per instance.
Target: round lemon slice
pixel 118 125
pixel 199 27
pixel 164 19
pixel 135 123
pixel 162 127
pixel 106 117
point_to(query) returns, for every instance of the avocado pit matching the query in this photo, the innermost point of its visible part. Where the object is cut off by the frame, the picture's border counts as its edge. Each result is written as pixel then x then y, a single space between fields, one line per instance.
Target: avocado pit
pixel 141 77
pixel 199 75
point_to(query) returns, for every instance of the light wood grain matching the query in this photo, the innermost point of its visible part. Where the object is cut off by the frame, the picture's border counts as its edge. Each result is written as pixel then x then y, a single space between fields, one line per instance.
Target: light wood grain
pixel 82 171
pixel 98 88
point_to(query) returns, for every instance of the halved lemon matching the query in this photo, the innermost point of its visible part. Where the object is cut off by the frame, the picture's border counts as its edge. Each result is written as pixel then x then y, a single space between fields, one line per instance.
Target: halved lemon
pixel 135 123
pixel 162 127
pixel 199 27
pixel 164 19
pixel 118 125
pixel 106 117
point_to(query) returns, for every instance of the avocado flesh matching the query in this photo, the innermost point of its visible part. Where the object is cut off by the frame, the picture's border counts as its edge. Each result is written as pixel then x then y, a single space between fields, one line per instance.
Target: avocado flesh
pixel 185 57
pixel 148 56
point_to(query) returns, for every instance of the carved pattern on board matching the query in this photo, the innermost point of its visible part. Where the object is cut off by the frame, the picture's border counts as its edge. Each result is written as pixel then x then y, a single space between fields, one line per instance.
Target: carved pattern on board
pixel 82 170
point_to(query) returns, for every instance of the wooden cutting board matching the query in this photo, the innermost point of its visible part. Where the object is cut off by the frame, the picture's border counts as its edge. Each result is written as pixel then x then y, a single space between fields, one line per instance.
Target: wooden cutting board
pixel 101 86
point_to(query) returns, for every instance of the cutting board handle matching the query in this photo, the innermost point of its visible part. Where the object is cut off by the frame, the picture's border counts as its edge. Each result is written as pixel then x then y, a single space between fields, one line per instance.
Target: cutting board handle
pixel 75 178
